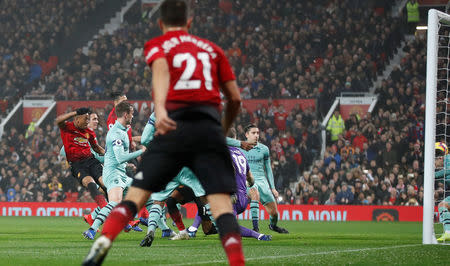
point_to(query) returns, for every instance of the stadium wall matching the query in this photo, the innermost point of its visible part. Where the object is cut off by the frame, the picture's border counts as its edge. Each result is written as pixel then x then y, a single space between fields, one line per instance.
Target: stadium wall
pixel 338 213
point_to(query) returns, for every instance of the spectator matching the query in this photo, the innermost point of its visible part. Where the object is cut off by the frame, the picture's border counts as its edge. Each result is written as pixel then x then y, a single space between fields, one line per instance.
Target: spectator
pixel 335 126
pixel 345 196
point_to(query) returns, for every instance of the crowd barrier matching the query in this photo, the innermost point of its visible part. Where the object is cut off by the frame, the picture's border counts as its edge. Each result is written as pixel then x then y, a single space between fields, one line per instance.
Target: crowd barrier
pixel 338 213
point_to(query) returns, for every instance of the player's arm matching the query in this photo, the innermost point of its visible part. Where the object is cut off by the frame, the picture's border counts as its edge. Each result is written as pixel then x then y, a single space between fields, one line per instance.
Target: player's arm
pixel 161 80
pixel 62 152
pixel 97 156
pixel 250 179
pixel 233 142
pixel 240 144
pixel 98 149
pixel 123 156
pixel 232 105
pixel 94 144
pixel 60 120
pixel 149 131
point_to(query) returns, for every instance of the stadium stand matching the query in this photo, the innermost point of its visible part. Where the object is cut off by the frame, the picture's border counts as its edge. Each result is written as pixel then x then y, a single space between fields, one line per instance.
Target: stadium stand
pixel 298 50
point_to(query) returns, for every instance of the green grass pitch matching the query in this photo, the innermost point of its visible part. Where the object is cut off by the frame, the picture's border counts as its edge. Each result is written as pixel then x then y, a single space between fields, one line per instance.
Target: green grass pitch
pixel 58 241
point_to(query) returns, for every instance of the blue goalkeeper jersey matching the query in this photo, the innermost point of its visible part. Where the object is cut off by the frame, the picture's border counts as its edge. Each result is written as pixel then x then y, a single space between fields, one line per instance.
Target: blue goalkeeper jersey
pixel 117 150
pixel 259 161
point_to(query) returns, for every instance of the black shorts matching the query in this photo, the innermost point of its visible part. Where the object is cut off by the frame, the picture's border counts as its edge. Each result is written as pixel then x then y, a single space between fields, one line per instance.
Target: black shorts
pixel 198 143
pixel 87 167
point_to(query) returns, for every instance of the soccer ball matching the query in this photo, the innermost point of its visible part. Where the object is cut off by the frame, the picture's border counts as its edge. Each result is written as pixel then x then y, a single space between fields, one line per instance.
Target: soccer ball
pixel 441 146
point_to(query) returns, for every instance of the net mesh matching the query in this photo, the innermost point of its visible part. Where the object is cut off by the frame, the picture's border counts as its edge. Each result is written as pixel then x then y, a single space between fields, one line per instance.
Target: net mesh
pixel 442 163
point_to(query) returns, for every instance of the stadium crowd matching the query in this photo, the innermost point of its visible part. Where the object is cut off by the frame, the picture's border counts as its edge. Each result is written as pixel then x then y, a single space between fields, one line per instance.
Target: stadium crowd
pixel 375 159
pixel 31 32
pixel 332 60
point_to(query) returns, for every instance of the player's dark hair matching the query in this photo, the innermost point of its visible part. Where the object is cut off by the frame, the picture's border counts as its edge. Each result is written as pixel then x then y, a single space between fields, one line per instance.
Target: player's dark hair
pixel 174 12
pixel 248 127
pixel 123 108
pixel 115 95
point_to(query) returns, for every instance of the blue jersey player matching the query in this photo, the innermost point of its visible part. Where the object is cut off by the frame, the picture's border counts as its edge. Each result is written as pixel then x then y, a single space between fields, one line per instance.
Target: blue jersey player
pixel 116 157
pixel 259 162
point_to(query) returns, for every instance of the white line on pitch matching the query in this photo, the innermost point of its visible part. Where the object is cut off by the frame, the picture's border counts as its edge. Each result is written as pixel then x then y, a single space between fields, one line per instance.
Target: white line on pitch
pixel 302 255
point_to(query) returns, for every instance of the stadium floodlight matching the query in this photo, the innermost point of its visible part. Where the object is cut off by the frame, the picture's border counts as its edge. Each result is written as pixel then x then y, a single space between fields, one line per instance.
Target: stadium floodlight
pixel 436 117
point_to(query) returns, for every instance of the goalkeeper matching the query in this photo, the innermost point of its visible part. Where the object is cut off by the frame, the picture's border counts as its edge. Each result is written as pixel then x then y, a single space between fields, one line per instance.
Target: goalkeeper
pixel 443 161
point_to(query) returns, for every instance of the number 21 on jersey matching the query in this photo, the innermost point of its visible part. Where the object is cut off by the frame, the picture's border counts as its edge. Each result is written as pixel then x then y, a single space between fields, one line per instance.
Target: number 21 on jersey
pixel 186 82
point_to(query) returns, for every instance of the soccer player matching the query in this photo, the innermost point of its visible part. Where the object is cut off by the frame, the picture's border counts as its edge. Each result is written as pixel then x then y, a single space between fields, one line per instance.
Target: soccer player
pixel 259 161
pixel 187 74
pixel 240 198
pixel 93 124
pixel 119 97
pixel 443 163
pixel 116 157
pixel 157 200
pixel 78 140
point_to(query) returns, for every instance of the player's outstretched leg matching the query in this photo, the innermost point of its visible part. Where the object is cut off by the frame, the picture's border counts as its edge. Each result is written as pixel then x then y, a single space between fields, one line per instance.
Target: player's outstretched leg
pixel 118 218
pixel 95 194
pixel 143 216
pixel 99 220
pixel 245 232
pixel 192 230
pixel 89 218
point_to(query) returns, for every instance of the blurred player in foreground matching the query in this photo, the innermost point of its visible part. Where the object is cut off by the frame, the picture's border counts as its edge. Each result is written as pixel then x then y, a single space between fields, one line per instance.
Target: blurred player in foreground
pixel 187 75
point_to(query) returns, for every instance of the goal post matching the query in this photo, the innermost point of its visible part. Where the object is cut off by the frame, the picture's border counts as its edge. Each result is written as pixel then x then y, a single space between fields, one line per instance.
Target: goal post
pixel 437 75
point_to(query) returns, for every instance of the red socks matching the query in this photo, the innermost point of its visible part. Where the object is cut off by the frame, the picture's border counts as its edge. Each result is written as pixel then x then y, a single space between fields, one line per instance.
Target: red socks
pixel 100 200
pixel 176 217
pixel 232 245
pixel 118 218
pixel 230 236
pixel 143 213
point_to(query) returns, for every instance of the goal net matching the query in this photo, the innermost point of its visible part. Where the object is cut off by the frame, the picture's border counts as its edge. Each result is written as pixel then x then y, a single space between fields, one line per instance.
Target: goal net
pixel 437 117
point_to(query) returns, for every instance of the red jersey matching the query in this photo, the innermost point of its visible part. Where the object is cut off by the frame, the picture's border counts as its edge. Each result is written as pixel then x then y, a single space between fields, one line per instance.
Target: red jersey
pixel 76 142
pixel 280 120
pixel 112 117
pixel 197 68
